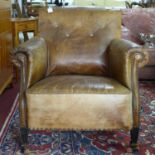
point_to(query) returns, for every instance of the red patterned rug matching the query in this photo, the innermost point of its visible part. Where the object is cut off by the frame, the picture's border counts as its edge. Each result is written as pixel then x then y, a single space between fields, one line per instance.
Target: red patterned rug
pixel 88 143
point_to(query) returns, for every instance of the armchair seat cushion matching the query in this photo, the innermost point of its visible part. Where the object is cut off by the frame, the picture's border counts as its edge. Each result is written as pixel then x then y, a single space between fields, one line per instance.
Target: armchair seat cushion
pixel 79 102
pixel 68 84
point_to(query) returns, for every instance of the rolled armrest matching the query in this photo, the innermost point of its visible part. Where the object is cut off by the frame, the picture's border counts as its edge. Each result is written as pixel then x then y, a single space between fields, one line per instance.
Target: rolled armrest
pixel 125 57
pixel 32 58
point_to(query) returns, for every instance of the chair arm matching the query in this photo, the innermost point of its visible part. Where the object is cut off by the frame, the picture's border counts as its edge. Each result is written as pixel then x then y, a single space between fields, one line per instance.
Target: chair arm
pixel 125 57
pixel 32 58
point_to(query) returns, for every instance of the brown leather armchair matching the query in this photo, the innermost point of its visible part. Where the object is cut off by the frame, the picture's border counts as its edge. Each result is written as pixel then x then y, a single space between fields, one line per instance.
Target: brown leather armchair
pixel 81 76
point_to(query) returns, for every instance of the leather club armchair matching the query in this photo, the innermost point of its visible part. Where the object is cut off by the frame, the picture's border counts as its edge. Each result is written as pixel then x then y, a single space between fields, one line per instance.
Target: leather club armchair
pixel 79 74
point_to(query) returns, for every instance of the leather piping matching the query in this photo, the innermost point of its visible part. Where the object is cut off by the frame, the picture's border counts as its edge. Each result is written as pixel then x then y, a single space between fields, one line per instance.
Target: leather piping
pixel 19 59
pixel 139 59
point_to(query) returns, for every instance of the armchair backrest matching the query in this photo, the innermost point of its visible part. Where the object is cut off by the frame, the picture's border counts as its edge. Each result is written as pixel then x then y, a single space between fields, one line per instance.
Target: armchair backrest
pixel 77 39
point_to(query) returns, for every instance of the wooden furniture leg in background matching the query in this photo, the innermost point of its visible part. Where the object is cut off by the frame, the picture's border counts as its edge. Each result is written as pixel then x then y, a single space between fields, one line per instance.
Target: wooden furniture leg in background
pixel 23 25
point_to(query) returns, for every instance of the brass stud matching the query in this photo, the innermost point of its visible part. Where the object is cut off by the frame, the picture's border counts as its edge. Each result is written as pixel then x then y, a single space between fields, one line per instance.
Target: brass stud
pixel 91 35
pixel 67 35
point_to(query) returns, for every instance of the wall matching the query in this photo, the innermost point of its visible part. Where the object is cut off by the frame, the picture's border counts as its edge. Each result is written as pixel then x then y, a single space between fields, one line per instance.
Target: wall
pixel 107 3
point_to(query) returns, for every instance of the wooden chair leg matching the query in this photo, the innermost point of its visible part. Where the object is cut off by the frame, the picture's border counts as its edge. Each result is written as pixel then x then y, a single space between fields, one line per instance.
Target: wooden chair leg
pixel 134 138
pixel 24 139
